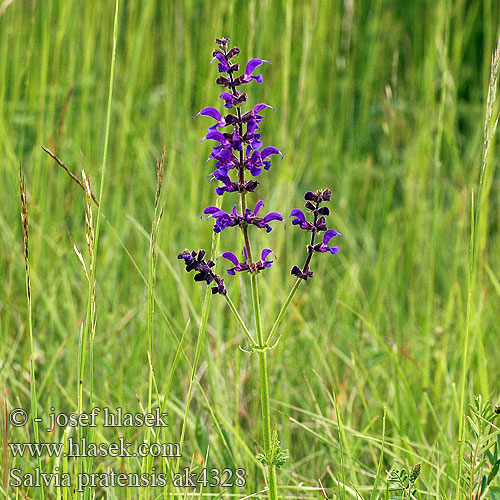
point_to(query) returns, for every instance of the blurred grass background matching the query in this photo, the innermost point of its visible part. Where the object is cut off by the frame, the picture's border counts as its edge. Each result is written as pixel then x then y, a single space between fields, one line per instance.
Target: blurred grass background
pixel 382 101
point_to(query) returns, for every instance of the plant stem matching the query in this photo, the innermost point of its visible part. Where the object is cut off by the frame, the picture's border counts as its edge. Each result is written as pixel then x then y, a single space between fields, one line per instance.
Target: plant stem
pixel 295 287
pixel 238 318
pixel 264 382
pixel 284 309
pixel 264 388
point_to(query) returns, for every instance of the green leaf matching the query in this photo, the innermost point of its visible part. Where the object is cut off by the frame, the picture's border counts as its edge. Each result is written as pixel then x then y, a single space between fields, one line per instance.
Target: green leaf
pixel 495 492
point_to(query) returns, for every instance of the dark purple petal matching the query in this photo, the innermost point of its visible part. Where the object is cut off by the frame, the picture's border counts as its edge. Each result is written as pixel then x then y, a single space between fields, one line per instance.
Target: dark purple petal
pixel 254 170
pixel 266 252
pixel 228 99
pixel 329 235
pixel 215 136
pixel 261 106
pixel 252 127
pixel 272 216
pixel 230 256
pixel 219 56
pixel 252 64
pixel 270 150
pixel 211 112
pixel 258 207
pixel 300 217
pixel 214 211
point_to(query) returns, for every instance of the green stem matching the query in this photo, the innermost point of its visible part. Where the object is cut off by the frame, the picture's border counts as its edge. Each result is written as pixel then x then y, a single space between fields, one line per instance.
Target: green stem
pixel 264 388
pixel 284 309
pixel 238 318
pixel 465 355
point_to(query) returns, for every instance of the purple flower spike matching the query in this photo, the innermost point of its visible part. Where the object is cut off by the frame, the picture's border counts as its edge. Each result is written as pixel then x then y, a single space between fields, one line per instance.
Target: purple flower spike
pixel 313 205
pixel 323 247
pixel 238 148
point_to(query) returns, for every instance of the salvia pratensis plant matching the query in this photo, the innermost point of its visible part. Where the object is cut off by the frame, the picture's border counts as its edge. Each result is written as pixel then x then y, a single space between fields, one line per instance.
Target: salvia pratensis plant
pixel 240 158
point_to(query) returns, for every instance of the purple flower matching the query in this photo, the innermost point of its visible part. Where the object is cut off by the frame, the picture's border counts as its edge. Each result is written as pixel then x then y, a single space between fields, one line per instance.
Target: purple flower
pixel 223 65
pixel 231 100
pixel 323 247
pixel 224 219
pixel 300 219
pixel 319 212
pixel 231 187
pixel 237 148
pixel 257 160
pixel 225 161
pixel 196 261
pixel 244 266
pixel 303 274
pixel 222 41
pixel 215 114
pixel 319 196
pixel 224 57
pixel 215 135
pixel 228 99
pixel 250 68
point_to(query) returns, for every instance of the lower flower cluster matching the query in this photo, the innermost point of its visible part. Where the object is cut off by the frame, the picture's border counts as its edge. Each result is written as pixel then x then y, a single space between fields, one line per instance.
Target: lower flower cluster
pixel 195 261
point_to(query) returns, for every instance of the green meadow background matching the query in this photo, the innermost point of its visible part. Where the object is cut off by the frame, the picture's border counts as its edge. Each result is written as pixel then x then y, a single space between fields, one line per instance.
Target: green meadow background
pixel 383 101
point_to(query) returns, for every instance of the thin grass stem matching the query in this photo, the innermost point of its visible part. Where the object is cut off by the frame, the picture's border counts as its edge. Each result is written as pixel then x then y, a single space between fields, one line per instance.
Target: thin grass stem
pixel 33 392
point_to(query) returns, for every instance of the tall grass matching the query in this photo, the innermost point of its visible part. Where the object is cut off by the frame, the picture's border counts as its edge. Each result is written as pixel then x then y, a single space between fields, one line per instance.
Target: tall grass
pixel 384 102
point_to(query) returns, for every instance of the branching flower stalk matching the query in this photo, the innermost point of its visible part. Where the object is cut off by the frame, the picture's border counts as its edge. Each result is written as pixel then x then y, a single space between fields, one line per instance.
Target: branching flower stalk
pixel 239 150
